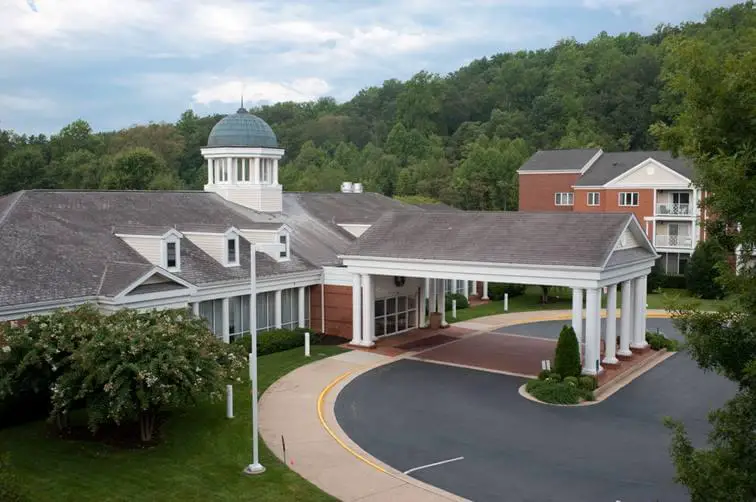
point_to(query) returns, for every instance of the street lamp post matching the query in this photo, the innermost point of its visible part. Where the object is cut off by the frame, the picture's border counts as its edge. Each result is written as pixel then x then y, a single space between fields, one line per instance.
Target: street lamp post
pixel 255 467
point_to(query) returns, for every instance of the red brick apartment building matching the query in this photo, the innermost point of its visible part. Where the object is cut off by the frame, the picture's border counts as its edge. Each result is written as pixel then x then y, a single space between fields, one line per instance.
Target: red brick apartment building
pixel 655 186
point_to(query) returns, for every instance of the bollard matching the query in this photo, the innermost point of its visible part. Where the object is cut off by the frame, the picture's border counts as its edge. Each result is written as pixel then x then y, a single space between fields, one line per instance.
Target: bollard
pixel 307 344
pixel 506 302
pixel 229 401
pixel 454 309
pixel 548 364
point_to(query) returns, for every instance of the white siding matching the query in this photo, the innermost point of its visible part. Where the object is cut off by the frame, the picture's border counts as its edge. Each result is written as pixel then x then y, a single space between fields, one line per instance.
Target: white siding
pixel 355 229
pixel 265 198
pixel 337 276
pixel 627 240
pixel 149 247
pixel 212 244
pixel 260 236
pixel 651 174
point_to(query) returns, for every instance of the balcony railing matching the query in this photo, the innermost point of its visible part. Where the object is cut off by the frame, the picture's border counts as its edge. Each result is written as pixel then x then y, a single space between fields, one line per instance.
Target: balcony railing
pixel 673 210
pixel 674 241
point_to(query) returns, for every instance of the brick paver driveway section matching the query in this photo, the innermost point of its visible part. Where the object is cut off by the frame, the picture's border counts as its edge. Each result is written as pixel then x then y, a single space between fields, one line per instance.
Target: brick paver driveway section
pixel 493 351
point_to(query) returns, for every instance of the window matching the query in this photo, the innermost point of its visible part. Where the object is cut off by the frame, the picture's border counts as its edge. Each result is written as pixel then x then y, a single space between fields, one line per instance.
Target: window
pixel 290 308
pixel 284 240
pixel 628 198
pixel 212 312
pixel 171 255
pixel 395 314
pixel 231 255
pixel 242 170
pixel 563 199
pixel 266 171
pixel 594 198
pixel 266 311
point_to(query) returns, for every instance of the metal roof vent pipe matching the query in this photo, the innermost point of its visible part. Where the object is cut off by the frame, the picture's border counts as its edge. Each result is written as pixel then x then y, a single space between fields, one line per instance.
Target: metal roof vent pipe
pixel 357 188
pixel 346 187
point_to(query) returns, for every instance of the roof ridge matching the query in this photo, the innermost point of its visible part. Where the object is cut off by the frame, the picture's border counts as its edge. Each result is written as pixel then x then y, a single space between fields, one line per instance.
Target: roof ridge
pixel 102 278
pixel 6 213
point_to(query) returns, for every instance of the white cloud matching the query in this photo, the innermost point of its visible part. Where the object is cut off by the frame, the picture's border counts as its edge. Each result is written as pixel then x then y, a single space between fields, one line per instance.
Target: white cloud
pixel 255 91
pixel 25 103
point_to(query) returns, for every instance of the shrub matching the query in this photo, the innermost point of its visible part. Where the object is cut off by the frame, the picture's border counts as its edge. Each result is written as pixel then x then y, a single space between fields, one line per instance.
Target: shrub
pixel 10 488
pixel 702 273
pixel 654 280
pixel 587 382
pixel 554 376
pixel 544 374
pixel 553 392
pixel 674 281
pixel 567 356
pixel 277 340
pixel 571 380
pixel 657 341
pixel 462 302
pixel 496 290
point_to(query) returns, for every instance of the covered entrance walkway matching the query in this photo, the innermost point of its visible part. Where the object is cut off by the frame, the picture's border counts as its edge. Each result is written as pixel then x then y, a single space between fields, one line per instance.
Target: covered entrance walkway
pixel 589 253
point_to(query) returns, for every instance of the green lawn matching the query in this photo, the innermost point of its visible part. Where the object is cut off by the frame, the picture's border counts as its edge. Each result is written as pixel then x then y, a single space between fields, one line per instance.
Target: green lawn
pixel 531 300
pixel 200 459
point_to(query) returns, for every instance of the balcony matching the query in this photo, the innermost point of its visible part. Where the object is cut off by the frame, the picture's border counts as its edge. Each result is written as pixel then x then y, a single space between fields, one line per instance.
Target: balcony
pixel 672 209
pixel 674 241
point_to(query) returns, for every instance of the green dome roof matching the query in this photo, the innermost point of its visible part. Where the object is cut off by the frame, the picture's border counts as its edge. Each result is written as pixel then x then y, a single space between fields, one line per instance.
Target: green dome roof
pixel 242 129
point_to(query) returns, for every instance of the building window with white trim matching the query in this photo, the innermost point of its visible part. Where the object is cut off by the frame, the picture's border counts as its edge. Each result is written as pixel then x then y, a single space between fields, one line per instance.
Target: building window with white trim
pixel 266 171
pixel 563 199
pixel 232 250
pixel 171 254
pixel 628 199
pixel 283 239
pixel 266 311
pixel 594 198
pixel 290 308
pixel 395 314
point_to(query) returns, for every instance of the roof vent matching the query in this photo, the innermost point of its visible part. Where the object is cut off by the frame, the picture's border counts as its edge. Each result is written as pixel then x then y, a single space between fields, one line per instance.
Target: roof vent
pixel 357 188
pixel 347 187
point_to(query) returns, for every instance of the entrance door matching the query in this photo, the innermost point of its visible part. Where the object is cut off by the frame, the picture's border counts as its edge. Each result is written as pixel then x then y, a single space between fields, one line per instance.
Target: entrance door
pixel 680 202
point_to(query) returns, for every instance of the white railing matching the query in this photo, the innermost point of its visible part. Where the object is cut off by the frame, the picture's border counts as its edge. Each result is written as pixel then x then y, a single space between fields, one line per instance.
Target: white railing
pixel 673 241
pixel 673 209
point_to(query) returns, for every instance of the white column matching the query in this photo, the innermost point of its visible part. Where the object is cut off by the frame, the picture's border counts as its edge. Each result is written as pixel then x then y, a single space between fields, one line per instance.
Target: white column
pixel 639 321
pixel 610 340
pixel 195 309
pixel 467 288
pixel 225 319
pixel 442 301
pixel 274 174
pixel 210 180
pixel 301 305
pixel 475 287
pixel 256 170
pixel 626 322
pixel 230 168
pixel 485 290
pixel 577 313
pixel 277 307
pixel 421 304
pixel 592 331
pixel 356 309
pixel 368 305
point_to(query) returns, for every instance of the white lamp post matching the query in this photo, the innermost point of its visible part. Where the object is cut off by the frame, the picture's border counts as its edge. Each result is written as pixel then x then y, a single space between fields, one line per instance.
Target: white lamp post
pixel 255 467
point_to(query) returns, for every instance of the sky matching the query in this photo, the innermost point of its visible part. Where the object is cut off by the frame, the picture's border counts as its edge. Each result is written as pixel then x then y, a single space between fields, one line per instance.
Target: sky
pixel 115 63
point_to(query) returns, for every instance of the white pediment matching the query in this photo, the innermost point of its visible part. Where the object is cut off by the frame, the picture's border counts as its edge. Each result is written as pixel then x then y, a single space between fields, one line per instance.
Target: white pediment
pixel 627 240
pixel 650 174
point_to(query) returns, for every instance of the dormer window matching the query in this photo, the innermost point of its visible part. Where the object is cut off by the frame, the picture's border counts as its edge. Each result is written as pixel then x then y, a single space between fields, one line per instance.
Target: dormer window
pixel 283 239
pixel 171 253
pixel 231 247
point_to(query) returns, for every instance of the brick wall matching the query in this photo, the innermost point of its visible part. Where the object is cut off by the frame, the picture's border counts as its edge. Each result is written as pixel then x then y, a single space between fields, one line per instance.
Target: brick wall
pixel 338 311
pixel 537 191
pixel 609 203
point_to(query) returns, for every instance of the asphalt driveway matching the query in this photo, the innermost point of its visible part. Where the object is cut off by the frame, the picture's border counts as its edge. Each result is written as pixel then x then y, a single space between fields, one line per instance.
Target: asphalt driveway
pixel 410 414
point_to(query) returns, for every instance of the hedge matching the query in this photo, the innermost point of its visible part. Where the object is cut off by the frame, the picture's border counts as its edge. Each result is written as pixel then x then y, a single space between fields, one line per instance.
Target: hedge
pixel 556 392
pixel 658 341
pixel 277 340
pixel 462 302
pixel 496 290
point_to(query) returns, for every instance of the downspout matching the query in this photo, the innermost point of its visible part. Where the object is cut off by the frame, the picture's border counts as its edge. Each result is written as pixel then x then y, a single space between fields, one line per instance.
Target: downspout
pixel 322 302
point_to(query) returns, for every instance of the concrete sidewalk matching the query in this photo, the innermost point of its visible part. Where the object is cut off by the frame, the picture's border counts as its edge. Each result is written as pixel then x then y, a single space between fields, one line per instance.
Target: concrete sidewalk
pixel 289 408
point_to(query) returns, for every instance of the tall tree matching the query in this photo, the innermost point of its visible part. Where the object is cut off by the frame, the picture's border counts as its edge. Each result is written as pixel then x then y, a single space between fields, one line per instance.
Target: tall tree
pixel 135 169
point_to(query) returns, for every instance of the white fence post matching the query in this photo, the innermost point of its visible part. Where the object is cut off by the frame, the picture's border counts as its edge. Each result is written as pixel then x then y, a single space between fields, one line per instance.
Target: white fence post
pixel 229 401
pixel 454 309
pixel 307 344
pixel 506 302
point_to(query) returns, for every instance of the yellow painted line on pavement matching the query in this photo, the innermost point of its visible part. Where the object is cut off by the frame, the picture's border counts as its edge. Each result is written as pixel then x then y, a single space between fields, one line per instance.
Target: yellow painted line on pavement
pixel 321 399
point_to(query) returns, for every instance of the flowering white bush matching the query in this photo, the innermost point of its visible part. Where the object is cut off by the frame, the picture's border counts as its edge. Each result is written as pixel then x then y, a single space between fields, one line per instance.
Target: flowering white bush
pixel 122 367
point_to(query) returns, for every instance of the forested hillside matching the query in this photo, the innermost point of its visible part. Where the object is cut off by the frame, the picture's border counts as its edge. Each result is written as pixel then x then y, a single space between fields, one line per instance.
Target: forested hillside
pixel 458 138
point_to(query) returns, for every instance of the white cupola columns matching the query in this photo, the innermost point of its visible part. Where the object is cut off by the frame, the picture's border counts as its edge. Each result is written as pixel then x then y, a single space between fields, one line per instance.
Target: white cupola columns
pixel 246 176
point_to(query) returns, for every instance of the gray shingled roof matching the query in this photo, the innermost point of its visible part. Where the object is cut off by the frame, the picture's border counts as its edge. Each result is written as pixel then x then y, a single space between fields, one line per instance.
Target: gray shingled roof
pixel 56 244
pixel 568 239
pixel 627 256
pixel 611 165
pixel 440 206
pixel 347 208
pixel 559 160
